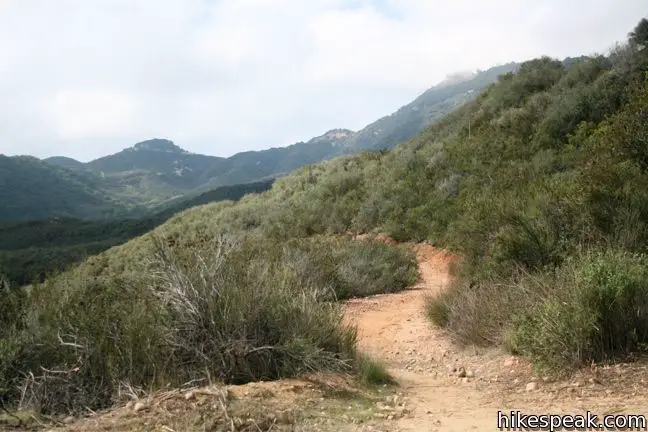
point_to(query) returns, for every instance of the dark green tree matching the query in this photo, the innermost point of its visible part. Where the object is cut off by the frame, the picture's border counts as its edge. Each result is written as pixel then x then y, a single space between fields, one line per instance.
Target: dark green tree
pixel 639 36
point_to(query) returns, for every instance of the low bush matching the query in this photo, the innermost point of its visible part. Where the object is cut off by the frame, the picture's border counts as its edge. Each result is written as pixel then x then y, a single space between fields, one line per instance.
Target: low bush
pixel 480 313
pixel 598 311
pixel 230 309
pixel 352 268
pixel 593 308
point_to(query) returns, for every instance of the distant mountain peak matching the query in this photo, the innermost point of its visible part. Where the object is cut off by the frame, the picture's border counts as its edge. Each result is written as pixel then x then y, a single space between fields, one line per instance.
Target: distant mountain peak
pixel 456 78
pixel 334 135
pixel 161 145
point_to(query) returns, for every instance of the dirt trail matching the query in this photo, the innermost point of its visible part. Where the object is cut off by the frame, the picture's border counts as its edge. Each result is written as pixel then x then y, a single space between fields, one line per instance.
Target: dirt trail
pixel 437 394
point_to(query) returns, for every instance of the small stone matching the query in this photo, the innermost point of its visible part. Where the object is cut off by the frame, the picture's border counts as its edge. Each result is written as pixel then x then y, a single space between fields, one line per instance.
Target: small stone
pixel 509 362
pixel 532 386
pixel 470 374
pixel 139 406
pixel 130 404
pixel 390 417
pixel 190 395
pixel 465 380
pixel 68 420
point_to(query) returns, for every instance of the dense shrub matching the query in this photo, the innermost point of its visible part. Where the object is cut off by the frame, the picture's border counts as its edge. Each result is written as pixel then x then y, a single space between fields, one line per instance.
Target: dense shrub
pixel 482 313
pixel 353 269
pixel 597 310
pixel 230 308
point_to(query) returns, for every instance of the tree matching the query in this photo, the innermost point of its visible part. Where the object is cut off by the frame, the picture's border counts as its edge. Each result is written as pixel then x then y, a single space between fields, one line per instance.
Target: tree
pixel 639 36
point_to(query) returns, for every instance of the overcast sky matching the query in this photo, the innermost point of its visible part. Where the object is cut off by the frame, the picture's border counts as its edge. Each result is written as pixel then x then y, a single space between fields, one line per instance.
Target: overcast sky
pixel 85 78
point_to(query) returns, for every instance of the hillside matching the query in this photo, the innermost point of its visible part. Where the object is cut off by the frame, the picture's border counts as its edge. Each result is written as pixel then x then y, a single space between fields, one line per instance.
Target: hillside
pixel 433 104
pixel 32 189
pixel 540 185
pixel 154 171
pixel 65 162
pixel 31 250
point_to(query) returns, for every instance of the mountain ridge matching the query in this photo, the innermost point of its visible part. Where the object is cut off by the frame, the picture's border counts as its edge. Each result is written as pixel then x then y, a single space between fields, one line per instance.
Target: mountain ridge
pixel 155 171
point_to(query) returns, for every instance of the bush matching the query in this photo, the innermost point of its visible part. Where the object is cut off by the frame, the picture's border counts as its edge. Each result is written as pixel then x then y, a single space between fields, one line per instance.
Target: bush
pixel 598 311
pixel 479 313
pixel 352 268
pixel 371 267
pixel 592 308
pixel 231 309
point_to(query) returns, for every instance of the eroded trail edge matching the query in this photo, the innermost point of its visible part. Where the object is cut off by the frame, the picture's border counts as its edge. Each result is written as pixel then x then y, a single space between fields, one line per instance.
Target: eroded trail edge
pixel 448 388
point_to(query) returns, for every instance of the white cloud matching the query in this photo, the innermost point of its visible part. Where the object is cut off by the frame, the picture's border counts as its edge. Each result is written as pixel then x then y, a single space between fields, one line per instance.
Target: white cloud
pixel 87 78
pixel 79 114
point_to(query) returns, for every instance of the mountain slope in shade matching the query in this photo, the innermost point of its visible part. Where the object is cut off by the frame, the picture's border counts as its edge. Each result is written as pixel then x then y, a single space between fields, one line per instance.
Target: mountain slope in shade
pixel 157 169
pixel 65 162
pixel 32 189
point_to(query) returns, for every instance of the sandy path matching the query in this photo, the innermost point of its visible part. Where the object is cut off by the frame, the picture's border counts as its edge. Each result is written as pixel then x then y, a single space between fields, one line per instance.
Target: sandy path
pixel 393 328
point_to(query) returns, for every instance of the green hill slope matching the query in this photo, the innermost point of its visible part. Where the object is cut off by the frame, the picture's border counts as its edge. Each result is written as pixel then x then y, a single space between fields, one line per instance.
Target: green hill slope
pixel 31 250
pixel 32 189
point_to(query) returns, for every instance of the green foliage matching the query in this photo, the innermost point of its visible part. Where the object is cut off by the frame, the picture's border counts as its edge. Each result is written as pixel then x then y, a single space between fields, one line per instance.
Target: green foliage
pixel 179 305
pixel 598 308
pixel 33 250
pixel 353 269
pixel 639 35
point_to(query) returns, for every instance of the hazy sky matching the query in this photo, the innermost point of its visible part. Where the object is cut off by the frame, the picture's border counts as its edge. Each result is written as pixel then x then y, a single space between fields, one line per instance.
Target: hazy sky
pixel 85 78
